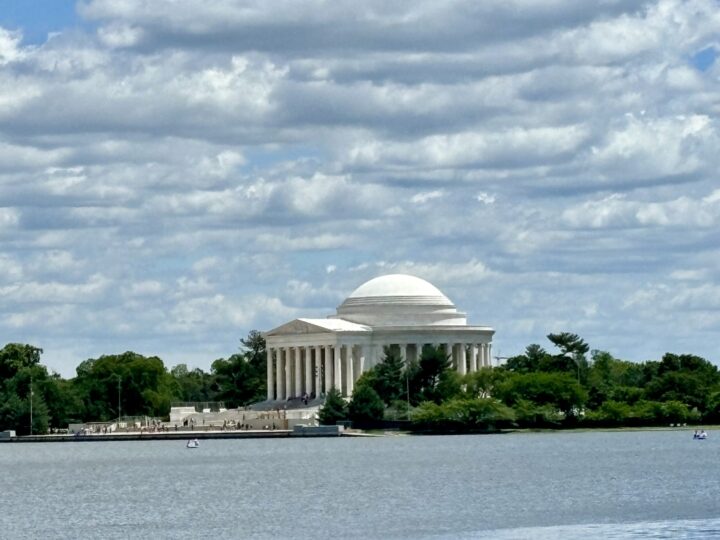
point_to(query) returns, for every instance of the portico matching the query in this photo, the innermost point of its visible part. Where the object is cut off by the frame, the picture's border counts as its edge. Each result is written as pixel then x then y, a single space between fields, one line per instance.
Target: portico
pixel 310 356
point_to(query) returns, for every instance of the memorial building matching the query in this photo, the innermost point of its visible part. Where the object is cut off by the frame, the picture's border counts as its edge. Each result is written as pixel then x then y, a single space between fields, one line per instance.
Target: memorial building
pixel 310 356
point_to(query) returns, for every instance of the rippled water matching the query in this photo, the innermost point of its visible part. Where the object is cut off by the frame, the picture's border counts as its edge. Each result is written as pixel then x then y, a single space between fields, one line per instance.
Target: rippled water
pixel 653 484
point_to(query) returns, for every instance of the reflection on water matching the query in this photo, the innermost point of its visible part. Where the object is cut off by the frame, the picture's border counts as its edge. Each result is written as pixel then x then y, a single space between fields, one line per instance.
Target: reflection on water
pixel 653 484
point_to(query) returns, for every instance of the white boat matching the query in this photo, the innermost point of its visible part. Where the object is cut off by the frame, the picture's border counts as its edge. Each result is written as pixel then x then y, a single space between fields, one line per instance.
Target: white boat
pixel 193 443
pixel 700 436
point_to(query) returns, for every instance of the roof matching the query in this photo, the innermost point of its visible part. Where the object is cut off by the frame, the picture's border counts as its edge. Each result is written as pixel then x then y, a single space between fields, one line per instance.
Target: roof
pixel 337 325
pixel 401 287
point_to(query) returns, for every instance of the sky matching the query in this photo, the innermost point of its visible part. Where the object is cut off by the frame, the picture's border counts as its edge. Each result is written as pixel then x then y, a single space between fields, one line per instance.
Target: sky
pixel 174 174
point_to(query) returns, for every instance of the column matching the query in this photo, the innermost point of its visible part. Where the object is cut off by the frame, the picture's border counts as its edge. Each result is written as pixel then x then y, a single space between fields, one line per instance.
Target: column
pixel 483 354
pixel 298 373
pixel 462 360
pixel 318 370
pixel 307 367
pixel 349 361
pixel 363 361
pixel 473 358
pixel 278 374
pixel 328 368
pixel 288 373
pixel 418 351
pixel 489 353
pixel 270 379
pixel 403 353
pixel 449 353
pixel 337 379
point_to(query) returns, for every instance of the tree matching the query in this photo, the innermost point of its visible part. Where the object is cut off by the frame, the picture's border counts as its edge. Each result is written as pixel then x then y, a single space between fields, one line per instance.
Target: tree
pixel 462 415
pixel 559 390
pixel 572 355
pixel 534 357
pixel 195 385
pixel 334 409
pixel 481 383
pixel 366 405
pixel 389 376
pixel 432 378
pixel 142 384
pixel 236 381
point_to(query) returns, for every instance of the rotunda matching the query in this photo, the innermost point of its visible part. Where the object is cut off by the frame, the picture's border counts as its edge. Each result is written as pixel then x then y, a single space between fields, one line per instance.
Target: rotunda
pixel 310 356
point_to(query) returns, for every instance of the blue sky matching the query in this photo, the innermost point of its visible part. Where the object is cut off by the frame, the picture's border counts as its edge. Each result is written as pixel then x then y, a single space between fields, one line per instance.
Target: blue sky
pixel 38 18
pixel 175 174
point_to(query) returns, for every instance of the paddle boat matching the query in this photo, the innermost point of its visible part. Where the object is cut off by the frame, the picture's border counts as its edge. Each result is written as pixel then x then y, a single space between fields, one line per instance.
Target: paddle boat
pixel 194 443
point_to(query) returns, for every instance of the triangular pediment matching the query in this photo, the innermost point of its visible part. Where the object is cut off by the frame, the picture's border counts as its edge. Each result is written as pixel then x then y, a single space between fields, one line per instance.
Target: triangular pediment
pixel 298 326
pixel 318 326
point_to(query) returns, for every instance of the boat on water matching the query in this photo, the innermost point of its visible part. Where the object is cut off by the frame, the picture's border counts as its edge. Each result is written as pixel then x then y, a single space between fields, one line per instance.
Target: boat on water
pixel 194 443
pixel 700 436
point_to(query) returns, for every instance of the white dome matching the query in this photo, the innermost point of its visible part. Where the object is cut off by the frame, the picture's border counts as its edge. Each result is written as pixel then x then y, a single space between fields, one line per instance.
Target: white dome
pixel 401 286
pixel 399 300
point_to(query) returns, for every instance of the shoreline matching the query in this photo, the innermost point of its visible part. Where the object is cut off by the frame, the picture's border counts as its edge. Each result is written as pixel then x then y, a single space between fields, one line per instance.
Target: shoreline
pixel 177 436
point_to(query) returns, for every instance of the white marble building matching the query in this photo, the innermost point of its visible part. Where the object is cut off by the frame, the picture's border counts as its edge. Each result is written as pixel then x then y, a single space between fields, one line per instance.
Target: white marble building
pixel 313 355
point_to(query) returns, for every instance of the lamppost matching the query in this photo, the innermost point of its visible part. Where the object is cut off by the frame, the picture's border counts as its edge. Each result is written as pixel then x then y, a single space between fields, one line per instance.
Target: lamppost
pixel 119 405
pixel 31 404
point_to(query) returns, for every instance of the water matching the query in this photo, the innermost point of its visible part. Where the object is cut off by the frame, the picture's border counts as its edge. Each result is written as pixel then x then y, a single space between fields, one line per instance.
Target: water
pixel 652 484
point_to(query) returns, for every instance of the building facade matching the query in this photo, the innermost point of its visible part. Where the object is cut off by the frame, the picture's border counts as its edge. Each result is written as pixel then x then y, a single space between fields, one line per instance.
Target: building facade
pixel 310 356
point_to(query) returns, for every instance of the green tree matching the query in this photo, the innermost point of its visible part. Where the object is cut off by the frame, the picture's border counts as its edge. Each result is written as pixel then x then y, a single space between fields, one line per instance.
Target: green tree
pixel 559 390
pixel 462 415
pixel 389 376
pixel 482 383
pixel 25 385
pixel 530 361
pixel 142 384
pixel 572 357
pixel 366 405
pixel 195 385
pixel 334 409
pixel 432 378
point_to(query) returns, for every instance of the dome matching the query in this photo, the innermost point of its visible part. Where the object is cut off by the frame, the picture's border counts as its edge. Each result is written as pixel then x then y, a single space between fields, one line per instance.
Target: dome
pixel 394 286
pixel 399 300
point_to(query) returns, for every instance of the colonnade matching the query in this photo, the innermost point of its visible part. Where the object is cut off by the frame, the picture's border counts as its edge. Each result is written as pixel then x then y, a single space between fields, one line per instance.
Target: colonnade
pixel 296 370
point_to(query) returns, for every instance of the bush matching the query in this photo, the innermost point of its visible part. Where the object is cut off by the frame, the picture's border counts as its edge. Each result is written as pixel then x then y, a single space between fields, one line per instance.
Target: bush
pixel 366 405
pixel 334 409
pixel 462 415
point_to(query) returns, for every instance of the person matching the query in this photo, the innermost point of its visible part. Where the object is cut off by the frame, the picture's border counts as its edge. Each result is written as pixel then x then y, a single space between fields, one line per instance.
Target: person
pixel 696 434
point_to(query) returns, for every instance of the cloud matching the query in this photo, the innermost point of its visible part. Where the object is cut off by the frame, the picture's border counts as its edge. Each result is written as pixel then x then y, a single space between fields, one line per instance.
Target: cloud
pixel 172 178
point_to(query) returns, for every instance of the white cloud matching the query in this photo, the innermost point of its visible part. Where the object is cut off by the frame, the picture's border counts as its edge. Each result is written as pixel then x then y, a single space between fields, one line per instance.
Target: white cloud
pixel 425 196
pixel 171 178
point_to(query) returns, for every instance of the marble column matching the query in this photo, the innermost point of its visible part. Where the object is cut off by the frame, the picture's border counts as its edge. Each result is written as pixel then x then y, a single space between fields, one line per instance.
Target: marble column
pixel 308 371
pixel 450 354
pixel 418 351
pixel 318 370
pixel 298 372
pixel 483 349
pixel 270 379
pixel 363 360
pixel 328 368
pixel 349 369
pixel 278 374
pixel 489 353
pixel 288 373
pixel 462 359
pixel 337 374
pixel 473 357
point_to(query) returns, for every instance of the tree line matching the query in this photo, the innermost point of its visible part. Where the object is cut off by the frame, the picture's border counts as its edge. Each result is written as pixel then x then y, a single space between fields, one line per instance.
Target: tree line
pixel 127 384
pixel 569 387
pixel 572 387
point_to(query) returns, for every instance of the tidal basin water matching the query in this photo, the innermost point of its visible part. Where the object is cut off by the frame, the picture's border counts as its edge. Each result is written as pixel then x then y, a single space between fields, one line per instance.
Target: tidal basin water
pixel 646 484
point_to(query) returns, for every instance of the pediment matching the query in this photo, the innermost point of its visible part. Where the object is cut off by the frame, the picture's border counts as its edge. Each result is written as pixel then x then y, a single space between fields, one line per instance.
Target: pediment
pixel 298 327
